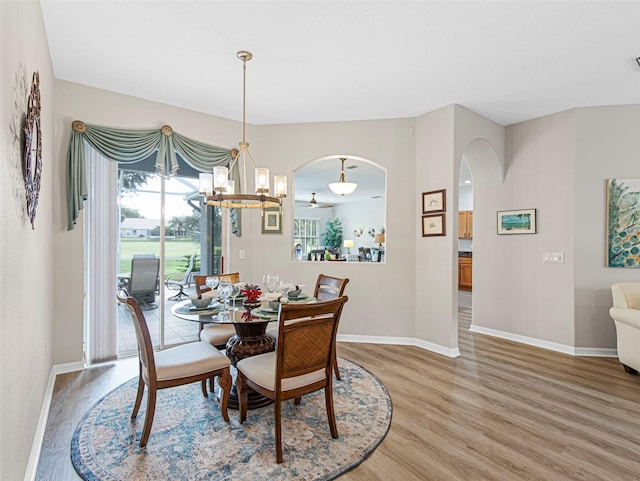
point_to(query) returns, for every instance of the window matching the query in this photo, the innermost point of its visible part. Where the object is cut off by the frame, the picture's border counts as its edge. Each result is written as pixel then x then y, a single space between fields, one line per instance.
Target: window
pixel 306 233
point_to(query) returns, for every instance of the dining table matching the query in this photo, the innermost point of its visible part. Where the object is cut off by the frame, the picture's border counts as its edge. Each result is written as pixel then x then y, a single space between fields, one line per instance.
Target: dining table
pixel 250 338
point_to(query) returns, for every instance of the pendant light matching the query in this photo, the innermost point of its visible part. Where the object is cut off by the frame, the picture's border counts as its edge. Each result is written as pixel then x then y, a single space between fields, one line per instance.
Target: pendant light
pixel 342 187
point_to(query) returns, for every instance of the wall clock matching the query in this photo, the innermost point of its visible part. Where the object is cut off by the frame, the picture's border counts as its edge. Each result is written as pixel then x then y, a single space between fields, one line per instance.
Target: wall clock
pixel 32 155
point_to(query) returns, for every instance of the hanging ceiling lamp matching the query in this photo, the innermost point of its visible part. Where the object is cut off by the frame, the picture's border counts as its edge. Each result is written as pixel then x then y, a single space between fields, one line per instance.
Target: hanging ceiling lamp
pixel 222 193
pixel 342 187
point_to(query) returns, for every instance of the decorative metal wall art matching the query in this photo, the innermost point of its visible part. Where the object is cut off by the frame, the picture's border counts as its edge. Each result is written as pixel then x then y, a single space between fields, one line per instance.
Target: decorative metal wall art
pixel 32 156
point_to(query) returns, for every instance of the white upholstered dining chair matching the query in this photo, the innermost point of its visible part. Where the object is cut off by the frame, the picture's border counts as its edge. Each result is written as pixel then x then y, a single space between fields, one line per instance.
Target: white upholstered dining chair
pixel 301 363
pixel 184 364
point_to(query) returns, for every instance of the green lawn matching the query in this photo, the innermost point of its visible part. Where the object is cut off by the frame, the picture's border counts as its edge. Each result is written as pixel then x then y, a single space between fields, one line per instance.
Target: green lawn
pixel 175 252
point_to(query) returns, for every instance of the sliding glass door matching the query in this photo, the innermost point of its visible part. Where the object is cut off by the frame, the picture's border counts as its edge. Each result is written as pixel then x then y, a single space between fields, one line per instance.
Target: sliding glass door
pixel 163 223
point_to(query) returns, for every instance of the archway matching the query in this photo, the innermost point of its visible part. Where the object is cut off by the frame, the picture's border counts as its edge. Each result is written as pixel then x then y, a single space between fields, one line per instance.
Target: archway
pixel 487 171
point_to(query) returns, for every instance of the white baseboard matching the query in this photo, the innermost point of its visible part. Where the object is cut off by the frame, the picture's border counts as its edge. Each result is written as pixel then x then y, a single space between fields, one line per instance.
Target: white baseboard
pixel 552 346
pixel 401 341
pixel 36 447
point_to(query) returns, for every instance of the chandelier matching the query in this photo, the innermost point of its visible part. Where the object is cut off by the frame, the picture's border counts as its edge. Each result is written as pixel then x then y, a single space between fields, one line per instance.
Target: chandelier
pixel 342 187
pixel 220 190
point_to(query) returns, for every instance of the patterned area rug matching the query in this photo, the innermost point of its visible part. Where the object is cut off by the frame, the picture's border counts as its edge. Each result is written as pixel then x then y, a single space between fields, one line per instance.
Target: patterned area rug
pixel 190 440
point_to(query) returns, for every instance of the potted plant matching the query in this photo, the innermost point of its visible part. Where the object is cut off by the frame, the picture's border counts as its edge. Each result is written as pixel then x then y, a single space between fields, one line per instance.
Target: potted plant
pixel 332 236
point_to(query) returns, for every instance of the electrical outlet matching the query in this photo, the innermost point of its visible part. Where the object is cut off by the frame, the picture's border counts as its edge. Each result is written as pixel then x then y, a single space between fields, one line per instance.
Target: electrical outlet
pixel 553 257
pixel 242 254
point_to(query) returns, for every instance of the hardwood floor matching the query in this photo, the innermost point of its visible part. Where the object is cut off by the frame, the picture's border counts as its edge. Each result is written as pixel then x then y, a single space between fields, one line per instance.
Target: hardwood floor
pixel 501 411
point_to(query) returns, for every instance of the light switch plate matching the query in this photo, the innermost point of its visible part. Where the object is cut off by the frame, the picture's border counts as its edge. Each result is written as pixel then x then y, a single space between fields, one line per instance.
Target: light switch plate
pixel 553 257
pixel 241 254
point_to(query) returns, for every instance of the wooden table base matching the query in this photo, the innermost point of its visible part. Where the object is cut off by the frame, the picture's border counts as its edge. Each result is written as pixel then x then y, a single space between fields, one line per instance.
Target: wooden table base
pixel 250 340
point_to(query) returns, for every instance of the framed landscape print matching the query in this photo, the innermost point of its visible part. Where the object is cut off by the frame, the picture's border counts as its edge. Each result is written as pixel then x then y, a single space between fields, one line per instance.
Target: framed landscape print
pixel 517 221
pixel 433 225
pixel 434 201
pixel 623 223
pixel 272 221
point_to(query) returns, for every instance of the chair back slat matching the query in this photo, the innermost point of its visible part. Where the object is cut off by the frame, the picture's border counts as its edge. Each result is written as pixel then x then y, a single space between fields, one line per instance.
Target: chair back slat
pixel 143 337
pixel 306 337
pixel 200 281
pixel 144 275
pixel 328 287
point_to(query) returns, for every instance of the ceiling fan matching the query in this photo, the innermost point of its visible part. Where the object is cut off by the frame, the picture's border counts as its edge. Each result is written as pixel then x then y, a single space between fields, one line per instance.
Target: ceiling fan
pixel 313 203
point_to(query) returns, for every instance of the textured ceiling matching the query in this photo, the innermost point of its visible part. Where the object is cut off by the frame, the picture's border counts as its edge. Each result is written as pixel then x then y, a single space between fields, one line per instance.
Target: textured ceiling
pixel 352 60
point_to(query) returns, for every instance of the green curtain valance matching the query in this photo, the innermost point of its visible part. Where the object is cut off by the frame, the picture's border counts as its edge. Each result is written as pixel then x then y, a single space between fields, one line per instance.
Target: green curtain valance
pixel 126 146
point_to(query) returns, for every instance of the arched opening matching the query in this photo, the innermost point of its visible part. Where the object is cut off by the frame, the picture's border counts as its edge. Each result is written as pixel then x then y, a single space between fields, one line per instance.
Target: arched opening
pixel 361 214
pixel 480 170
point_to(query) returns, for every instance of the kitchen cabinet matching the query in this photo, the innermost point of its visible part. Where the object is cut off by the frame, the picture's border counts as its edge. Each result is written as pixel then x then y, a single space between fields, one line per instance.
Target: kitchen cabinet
pixel 465 224
pixel 465 273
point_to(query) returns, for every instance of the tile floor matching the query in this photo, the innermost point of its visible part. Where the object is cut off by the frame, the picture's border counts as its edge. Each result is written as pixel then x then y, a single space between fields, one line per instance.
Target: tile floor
pixel 176 330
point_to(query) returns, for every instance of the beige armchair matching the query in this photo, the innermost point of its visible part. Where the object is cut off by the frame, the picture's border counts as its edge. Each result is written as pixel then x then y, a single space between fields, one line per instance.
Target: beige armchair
pixel 626 315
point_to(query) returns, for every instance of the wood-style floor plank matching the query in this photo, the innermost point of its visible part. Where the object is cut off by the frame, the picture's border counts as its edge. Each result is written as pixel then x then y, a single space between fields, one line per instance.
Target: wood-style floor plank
pixel 501 411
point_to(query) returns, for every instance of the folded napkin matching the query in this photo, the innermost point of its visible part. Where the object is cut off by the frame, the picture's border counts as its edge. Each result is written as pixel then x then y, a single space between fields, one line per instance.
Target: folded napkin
pixel 271 296
pixel 212 294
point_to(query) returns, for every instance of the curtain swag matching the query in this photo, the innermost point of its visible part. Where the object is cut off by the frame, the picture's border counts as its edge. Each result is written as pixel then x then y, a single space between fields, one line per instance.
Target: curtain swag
pixel 129 146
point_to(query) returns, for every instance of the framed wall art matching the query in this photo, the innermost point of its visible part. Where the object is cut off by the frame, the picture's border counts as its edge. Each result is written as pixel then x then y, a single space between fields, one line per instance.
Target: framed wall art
pixel 517 222
pixel 434 225
pixel 434 201
pixel 272 221
pixel 623 227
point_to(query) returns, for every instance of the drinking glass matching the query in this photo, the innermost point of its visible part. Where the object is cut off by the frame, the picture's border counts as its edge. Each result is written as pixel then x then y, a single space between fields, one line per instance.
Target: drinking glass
pixel 212 282
pixel 235 292
pixel 271 282
pixel 285 286
pixel 225 289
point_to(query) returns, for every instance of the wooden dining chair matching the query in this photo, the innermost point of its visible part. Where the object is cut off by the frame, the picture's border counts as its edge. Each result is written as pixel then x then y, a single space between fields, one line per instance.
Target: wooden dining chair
pixel 200 281
pixel 328 287
pixel 215 334
pixel 184 364
pixel 301 363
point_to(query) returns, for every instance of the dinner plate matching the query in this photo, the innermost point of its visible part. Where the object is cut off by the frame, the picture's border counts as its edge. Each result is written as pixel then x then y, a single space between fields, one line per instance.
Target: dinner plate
pixel 210 306
pixel 301 297
pixel 264 314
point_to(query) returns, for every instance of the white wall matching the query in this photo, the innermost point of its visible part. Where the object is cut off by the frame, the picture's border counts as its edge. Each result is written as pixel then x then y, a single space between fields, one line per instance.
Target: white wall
pixel 607 147
pixel 388 143
pixel 26 256
pixel 513 290
pixel 366 214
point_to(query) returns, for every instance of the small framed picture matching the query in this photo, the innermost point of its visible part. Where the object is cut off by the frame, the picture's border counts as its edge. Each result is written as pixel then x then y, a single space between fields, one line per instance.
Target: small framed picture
pixel 517 222
pixel 433 225
pixel 272 221
pixel 434 201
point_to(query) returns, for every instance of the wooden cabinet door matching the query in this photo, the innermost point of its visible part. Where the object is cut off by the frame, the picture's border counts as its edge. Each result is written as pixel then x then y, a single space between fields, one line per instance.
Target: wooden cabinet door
pixel 465 273
pixel 465 224
pixel 462 224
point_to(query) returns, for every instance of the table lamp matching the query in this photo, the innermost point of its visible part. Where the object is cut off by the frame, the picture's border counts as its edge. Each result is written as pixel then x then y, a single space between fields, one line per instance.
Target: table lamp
pixel 348 243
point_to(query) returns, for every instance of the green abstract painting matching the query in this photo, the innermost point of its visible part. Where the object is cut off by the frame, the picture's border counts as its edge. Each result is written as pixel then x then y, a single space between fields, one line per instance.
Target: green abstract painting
pixel 623 222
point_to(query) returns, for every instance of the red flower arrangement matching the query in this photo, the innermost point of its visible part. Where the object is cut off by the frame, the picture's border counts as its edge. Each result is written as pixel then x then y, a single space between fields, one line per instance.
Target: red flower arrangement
pixel 251 292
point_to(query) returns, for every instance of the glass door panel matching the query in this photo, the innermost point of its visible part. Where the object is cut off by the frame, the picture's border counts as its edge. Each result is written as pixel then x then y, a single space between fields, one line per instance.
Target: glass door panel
pixel 164 219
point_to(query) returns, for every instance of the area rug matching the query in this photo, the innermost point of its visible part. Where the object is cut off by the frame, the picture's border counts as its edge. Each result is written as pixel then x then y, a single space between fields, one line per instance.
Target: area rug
pixel 190 440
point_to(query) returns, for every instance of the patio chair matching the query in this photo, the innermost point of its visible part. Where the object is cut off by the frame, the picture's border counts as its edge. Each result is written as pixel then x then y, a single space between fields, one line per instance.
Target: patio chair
pixel 174 283
pixel 143 282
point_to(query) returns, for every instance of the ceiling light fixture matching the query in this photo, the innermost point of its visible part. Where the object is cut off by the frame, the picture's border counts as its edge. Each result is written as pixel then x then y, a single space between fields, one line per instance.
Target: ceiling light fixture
pixel 220 189
pixel 342 187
